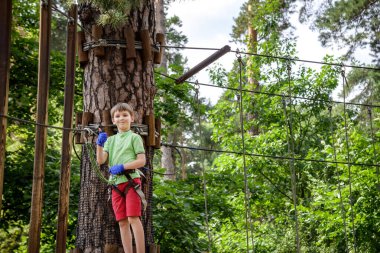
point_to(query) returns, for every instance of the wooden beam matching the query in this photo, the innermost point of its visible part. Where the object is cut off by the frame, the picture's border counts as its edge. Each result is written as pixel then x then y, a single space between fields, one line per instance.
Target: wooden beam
pixel 41 131
pixel 78 121
pixel 150 139
pixel 5 41
pixel 129 35
pixel 160 39
pixel 67 135
pixel 97 33
pixel 203 64
pixel 107 121
pixel 82 55
pixel 146 46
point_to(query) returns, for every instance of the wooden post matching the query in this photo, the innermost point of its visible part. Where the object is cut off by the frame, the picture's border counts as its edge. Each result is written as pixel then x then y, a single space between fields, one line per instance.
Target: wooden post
pixel 82 55
pixel 41 131
pixel 157 124
pixel 149 120
pixel 97 33
pixel 146 46
pixel 87 118
pixel 5 41
pixel 106 120
pixel 64 185
pixel 78 121
pixel 160 39
pixel 129 35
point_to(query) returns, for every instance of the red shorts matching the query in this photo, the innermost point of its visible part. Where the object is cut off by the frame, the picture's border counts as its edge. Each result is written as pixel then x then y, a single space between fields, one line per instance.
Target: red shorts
pixel 129 206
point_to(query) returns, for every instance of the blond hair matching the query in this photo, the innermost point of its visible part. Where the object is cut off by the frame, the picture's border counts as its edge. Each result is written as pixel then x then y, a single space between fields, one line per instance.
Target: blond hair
pixel 119 107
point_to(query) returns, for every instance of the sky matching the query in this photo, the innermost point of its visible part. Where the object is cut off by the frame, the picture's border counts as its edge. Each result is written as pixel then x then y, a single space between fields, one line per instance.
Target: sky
pixel 208 24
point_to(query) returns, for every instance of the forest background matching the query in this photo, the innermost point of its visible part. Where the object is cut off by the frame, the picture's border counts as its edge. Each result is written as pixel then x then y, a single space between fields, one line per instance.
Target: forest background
pixel 303 175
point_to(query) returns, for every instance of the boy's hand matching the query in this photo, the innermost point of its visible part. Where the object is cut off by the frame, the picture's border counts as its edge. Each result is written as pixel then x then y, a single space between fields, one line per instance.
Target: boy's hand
pixel 102 137
pixel 117 169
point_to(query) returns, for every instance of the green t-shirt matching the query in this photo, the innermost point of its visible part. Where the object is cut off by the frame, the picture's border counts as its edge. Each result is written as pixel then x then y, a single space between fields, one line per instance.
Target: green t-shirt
pixel 123 148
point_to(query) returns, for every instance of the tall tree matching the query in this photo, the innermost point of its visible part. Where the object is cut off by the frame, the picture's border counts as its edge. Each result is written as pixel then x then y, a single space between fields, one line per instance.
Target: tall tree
pixel 109 79
pixel 350 23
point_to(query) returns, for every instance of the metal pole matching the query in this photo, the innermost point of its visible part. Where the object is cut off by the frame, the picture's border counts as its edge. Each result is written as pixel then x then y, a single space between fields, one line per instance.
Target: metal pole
pixel 5 41
pixel 203 64
pixel 41 131
pixel 64 185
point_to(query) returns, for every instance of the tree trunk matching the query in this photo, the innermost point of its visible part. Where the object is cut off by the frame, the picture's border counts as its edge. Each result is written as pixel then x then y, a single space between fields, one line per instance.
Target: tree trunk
pixel 252 81
pixel 108 80
pixel 167 160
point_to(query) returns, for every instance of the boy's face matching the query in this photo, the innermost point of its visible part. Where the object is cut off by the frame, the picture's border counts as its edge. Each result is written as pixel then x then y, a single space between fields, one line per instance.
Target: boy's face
pixel 123 120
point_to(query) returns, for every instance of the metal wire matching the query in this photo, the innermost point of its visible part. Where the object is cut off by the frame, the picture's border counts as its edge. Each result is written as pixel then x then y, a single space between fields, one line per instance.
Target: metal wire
pixel 270 93
pixel 273 57
pixel 290 141
pixel 248 218
pixel 337 175
pixel 203 171
pixel 348 158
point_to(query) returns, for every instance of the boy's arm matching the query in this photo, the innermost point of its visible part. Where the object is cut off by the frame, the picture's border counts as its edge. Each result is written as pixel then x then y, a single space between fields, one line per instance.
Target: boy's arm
pixel 101 155
pixel 138 163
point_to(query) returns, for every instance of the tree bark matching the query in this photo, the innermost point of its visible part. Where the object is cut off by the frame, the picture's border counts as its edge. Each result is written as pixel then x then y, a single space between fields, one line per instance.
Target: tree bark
pixel 108 80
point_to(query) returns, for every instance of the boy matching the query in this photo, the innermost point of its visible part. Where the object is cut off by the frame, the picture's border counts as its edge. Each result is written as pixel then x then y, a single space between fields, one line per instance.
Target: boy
pixel 126 153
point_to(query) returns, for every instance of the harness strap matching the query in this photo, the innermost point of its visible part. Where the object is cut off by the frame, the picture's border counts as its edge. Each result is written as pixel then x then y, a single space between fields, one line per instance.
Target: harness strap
pixel 135 186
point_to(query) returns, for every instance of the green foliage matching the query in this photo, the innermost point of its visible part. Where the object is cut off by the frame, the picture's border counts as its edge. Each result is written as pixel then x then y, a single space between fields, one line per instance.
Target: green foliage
pixel 113 12
pixel 22 103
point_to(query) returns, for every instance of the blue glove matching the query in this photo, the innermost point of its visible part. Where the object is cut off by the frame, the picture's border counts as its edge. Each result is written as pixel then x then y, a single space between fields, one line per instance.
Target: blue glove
pixel 102 137
pixel 117 169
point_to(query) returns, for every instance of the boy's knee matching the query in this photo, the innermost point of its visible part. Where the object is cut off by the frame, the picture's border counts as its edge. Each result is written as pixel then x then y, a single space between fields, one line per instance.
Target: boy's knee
pixel 124 223
pixel 133 219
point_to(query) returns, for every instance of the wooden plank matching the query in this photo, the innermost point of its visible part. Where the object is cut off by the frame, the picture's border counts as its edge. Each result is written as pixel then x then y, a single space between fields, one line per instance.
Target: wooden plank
pixel 146 46
pixel 82 55
pixel 41 131
pixel 97 33
pixel 160 39
pixel 106 120
pixel 157 124
pixel 5 41
pixel 149 120
pixel 78 122
pixel 87 118
pixel 129 35
pixel 64 186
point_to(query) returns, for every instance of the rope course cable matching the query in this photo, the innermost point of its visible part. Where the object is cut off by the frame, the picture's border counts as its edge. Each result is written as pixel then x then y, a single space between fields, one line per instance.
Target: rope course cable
pixel 273 57
pixel 204 181
pixel 339 181
pixel 374 150
pixel 248 218
pixel 290 143
pixel 344 83
pixel 271 94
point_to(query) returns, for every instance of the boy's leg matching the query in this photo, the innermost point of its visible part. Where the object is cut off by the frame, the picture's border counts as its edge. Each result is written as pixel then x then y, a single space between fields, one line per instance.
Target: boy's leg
pixel 133 207
pixel 138 232
pixel 126 236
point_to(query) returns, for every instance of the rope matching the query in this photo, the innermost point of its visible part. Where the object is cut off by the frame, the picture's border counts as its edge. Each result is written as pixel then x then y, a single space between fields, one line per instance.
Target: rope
pixel 93 163
pixel 203 171
pixel 290 141
pixel 248 218
pixel 348 158
pixel 339 187
pixel 270 93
